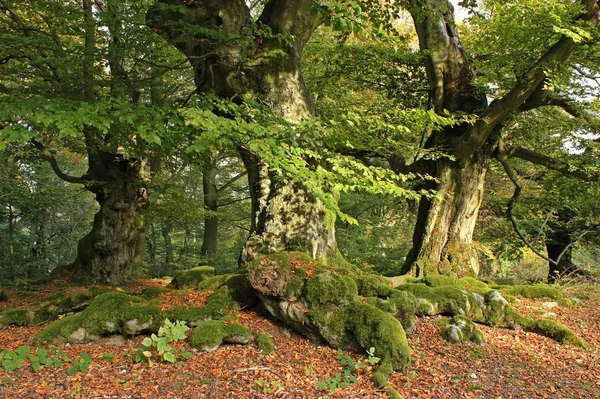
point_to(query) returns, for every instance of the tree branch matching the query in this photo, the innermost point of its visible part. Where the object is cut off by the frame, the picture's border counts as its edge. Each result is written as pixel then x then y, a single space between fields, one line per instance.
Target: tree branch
pixel 551 163
pixel 466 144
pixel 502 156
pixel 231 181
pixel 47 155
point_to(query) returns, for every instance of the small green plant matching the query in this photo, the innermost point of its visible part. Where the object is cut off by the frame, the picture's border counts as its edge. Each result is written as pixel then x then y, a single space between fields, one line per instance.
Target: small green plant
pixel 268 386
pixel 265 343
pixel 15 360
pixel 80 365
pixel 346 377
pixel 107 357
pixel 168 333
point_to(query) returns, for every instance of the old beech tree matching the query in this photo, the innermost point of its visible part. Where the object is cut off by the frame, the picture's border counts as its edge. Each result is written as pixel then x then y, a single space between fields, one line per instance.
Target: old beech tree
pixel 443 236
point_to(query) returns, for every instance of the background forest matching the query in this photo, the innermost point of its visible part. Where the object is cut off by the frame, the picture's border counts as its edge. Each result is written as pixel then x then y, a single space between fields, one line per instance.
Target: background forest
pixel 371 95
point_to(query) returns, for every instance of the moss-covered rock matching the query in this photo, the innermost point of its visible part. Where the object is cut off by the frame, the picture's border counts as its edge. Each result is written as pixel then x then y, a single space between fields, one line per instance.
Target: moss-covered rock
pixel 109 313
pixel 265 343
pixel 17 317
pixel 69 300
pixel 400 304
pixel 153 293
pixel 462 329
pixel 191 277
pixel 209 335
pixel 373 286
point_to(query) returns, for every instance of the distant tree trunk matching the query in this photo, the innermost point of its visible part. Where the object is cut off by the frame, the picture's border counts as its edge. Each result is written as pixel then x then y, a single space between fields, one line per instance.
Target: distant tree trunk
pixel 11 243
pixel 285 216
pixel 558 245
pixel 151 248
pixel 165 230
pixel 211 220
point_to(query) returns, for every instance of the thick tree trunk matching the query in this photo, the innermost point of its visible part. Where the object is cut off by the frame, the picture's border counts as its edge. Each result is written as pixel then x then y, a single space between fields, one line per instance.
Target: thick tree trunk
pixel 443 236
pixel 285 216
pixel 211 220
pixel 114 246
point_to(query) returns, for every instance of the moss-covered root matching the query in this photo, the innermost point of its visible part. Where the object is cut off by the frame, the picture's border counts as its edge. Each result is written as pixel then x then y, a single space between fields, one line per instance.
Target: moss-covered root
pixel 209 335
pixel 380 378
pixel 549 328
pixel 237 284
pixel 191 278
pixel 109 313
pixel 539 290
pixel 461 329
pixel 70 300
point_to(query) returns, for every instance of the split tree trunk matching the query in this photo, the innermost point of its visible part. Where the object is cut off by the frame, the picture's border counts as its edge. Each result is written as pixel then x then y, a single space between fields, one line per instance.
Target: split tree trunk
pixel 443 236
pixel 284 216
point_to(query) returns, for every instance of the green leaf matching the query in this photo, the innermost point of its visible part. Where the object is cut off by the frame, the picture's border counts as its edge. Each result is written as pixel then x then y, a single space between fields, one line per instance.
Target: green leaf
pixel 83 367
pixel 36 366
pixel 170 357
pixel 23 351
pixel 147 342
pixel 73 370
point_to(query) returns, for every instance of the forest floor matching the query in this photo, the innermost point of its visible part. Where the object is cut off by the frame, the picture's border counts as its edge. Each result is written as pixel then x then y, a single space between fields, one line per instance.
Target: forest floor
pixel 512 364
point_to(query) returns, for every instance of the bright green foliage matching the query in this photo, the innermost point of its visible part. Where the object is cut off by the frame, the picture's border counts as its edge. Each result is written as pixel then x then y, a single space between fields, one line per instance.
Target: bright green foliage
pixel 346 377
pixel 191 277
pixel 168 333
pixel 265 343
pixel 80 365
pixel 43 358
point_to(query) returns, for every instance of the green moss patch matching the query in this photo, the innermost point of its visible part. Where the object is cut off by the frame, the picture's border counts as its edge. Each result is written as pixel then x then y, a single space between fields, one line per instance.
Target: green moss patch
pixel 191 278
pixel 548 327
pixel 3 296
pixel 109 313
pixel 209 335
pixel 217 306
pixel 265 343
pixel 539 290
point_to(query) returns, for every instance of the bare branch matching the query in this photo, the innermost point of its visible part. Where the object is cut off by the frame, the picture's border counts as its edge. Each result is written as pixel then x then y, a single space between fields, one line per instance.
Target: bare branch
pixel 47 155
pixel 231 181
pixel 552 163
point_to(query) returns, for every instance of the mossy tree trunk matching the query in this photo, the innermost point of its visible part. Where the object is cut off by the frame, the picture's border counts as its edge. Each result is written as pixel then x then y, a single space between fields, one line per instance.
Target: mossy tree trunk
pixel 114 247
pixel 285 216
pixel 443 234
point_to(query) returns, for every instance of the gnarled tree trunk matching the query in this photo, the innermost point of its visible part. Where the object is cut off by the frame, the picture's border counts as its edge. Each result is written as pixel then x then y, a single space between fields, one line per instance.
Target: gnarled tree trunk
pixel 284 215
pixel 114 247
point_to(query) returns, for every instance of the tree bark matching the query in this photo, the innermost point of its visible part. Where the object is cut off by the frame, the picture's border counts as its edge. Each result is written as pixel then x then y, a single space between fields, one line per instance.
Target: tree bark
pixel 165 231
pixel 443 235
pixel 114 247
pixel 559 247
pixel 211 220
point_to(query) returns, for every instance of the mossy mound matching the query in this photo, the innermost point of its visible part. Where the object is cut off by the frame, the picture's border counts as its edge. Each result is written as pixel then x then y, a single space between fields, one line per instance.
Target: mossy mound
pixel 70 300
pixel 539 290
pixel 323 303
pixel 237 284
pixel 217 306
pixel 109 313
pixel 209 335
pixel 191 277
pixel 462 329
pixel 153 293
pixel 265 343
pixel 16 317
pixel 548 327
